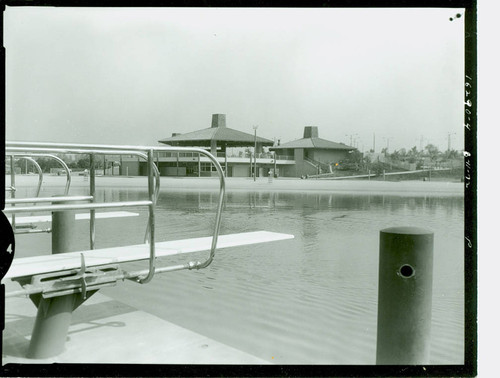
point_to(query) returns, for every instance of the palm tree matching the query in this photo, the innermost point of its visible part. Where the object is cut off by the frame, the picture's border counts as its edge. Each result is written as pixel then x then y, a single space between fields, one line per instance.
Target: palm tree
pixel 413 154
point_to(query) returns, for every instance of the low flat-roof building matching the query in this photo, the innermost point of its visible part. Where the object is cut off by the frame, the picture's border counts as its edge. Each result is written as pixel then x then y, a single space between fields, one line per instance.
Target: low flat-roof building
pixel 312 154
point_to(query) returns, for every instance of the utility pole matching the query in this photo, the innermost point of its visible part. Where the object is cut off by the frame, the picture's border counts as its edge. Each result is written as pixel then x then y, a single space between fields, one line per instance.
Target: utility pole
pixel 373 142
pixel 351 138
pixel 387 139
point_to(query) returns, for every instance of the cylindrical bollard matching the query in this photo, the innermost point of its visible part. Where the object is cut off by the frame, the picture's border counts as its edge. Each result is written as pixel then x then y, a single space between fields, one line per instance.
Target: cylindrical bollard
pixel 54 314
pixel 63 231
pixel 404 296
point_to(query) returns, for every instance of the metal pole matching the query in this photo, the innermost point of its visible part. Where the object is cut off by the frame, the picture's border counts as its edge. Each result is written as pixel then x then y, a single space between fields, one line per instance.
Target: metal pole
pixel 54 314
pixel 199 165
pixel 151 220
pixel 92 193
pixel 13 189
pixel 404 296
pixel 275 157
pixel 251 165
pixel 255 153
pixel 225 163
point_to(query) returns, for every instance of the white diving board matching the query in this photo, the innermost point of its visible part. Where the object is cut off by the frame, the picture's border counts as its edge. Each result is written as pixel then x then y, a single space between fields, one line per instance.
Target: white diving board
pixel 30 266
pixel 81 216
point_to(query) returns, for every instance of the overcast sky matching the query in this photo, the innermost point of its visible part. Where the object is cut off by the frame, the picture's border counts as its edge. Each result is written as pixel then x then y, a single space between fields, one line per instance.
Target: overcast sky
pixel 134 76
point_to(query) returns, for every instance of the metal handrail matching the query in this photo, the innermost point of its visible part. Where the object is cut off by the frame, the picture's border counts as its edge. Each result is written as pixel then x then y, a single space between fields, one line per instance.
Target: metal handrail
pixel 48 199
pixel 153 191
pixel 76 206
pixel 40 181
pixel 17 148
pixel 15 153
pixel 39 169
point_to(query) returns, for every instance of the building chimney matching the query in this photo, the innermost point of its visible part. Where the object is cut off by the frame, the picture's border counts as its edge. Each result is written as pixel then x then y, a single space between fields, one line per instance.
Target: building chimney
pixel 218 120
pixel 311 132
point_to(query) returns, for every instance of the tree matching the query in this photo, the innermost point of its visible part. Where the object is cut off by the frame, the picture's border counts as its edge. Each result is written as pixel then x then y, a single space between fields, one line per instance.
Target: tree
pixel 413 155
pixel 432 152
pixel 451 154
pixel 84 162
pixel 396 155
pixel 47 163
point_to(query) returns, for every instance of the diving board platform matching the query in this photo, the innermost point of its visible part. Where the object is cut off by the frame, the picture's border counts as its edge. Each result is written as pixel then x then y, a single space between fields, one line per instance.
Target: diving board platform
pixel 80 216
pixel 30 266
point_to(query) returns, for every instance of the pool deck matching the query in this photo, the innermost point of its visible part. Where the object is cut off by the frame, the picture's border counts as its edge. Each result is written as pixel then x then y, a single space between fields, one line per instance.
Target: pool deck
pixel 124 334
pixel 282 184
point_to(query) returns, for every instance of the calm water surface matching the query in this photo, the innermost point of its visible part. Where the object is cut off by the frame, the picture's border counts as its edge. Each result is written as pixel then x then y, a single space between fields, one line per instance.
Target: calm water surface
pixel 310 300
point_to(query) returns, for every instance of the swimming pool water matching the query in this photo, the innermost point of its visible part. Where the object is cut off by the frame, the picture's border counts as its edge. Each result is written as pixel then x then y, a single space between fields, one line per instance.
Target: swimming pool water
pixel 310 300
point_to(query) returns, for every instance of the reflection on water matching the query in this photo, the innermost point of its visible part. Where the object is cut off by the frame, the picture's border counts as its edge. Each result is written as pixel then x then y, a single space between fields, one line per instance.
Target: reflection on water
pixel 310 300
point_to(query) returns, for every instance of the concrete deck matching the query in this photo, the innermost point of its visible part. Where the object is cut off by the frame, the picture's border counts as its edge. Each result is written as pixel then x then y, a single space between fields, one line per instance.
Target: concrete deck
pixel 402 188
pixel 123 335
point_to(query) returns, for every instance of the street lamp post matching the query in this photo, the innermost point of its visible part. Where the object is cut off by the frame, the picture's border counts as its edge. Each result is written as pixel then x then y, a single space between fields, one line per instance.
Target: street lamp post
pixel 255 153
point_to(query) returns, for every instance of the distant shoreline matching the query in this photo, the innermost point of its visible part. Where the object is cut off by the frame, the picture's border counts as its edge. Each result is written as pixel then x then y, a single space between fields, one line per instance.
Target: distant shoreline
pixel 403 188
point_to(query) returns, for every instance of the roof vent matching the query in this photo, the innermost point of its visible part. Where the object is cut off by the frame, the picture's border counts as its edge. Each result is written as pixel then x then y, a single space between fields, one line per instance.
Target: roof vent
pixel 311 132
pixel 218 120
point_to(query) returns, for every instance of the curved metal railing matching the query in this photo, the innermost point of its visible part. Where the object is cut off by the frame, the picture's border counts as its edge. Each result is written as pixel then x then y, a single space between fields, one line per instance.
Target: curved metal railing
pixel 145 152
pixel 30 157
pixel 38 168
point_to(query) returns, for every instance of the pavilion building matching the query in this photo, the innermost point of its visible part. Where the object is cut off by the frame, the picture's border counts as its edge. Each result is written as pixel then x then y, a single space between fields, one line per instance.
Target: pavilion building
pixel 216 139
pixel 307 156
pixel 311 154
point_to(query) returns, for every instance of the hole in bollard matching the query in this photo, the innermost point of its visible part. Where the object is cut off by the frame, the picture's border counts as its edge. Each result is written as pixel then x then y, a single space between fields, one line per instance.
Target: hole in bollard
pixel 406 271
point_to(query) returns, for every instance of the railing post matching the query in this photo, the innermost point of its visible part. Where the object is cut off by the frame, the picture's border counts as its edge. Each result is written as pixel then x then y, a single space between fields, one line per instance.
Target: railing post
pixel 13 189
pixel 404 296
pixel 177 170
pixel 251 165
pixel 92 193
pixel 225 164
pixel 274 171
pixel 54 314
